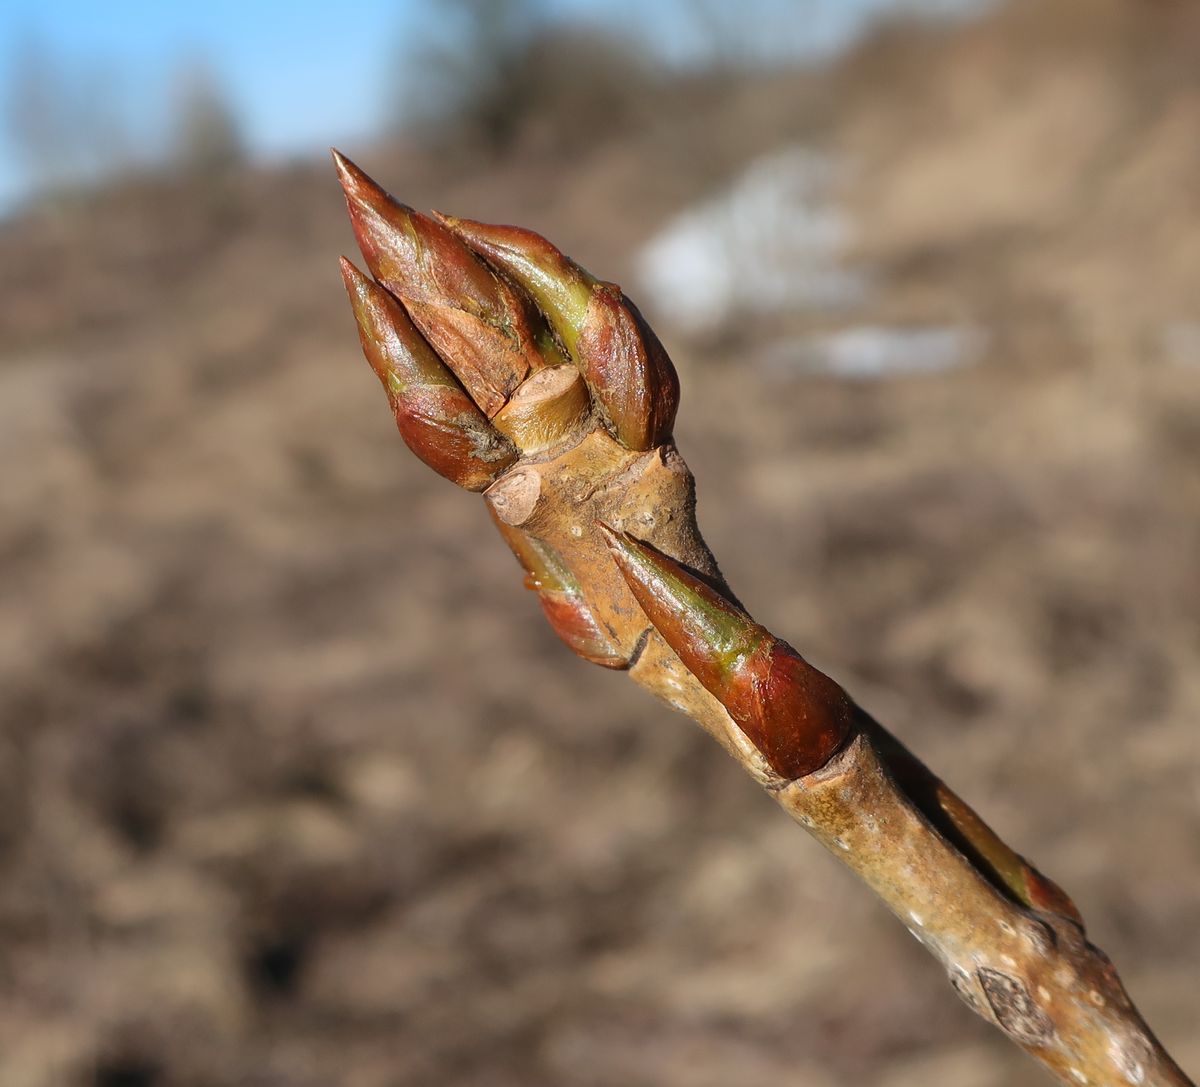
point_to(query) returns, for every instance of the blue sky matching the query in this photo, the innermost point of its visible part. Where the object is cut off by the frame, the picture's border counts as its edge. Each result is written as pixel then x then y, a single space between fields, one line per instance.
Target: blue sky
pixel 303 75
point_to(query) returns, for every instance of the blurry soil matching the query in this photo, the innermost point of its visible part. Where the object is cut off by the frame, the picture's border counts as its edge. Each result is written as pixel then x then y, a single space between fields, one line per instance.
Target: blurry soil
pixel 297 789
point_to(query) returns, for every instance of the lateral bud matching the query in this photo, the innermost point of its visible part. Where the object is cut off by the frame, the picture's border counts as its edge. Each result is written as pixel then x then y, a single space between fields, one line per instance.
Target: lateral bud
pixel 436 418
pixel 627 368
pixel 1022 880
pixel 794 714
pixel 562 601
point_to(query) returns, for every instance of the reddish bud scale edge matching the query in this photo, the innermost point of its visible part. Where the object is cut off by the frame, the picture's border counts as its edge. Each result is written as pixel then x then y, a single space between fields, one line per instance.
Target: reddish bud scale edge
pixel 576 624
pixel 436 418
pixel 628 369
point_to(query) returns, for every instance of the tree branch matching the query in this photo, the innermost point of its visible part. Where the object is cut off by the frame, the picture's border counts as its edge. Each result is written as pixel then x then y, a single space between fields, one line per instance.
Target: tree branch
pixel 472 329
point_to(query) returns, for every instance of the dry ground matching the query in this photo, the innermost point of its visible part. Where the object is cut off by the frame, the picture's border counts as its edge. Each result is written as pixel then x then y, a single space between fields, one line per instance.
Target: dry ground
pixel 296 788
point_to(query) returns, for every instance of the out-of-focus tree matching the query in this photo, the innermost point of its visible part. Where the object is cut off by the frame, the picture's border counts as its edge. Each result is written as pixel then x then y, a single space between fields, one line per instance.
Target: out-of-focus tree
pixel 38 119
pixel 728 36
pixel 488 73
pixel 68 125
pixel 467 73
pixel 99 123
pixel 206 135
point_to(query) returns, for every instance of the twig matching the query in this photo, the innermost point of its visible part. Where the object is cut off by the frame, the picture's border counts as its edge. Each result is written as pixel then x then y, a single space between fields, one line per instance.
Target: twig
pixel 513 371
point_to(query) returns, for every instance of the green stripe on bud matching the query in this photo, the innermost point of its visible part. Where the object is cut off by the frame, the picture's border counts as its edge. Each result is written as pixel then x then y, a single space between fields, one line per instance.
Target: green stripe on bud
pixel 796 716
pixel 627 368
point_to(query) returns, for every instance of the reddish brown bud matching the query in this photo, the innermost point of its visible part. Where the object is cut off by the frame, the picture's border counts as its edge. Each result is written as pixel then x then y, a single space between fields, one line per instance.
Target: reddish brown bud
pixel 436 418
pixel 562 601
pixel 628 369
pixel 1023 881
pixel 576 624
pixel 484 330
pixel 804 716
pixel 795 715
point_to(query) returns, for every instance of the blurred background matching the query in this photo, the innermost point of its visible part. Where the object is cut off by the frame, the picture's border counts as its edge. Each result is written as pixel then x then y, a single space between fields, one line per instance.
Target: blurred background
pixel 296 787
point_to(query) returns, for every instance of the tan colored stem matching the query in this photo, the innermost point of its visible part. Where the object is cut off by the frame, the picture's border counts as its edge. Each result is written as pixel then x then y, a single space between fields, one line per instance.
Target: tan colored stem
pixel 1009 940
pixel 582 432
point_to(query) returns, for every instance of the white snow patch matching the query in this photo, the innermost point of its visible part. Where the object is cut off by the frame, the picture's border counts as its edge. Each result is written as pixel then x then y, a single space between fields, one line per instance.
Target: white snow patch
pixel 865 352
pixel 772 241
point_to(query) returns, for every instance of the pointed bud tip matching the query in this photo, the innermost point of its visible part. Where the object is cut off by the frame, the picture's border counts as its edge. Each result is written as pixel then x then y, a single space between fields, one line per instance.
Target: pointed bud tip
pixel 621 543
pixel 614 539
pixel 349 175
pixel 706 629
pixel 629 552
pixel 369 302
pixel 359 187
pixel 351 276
